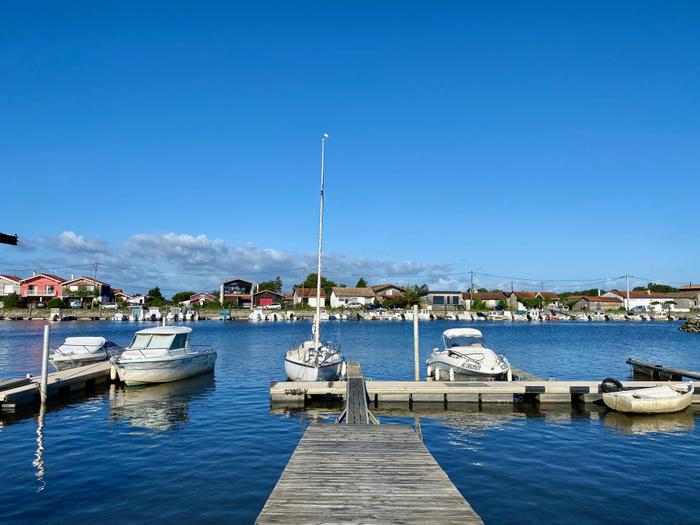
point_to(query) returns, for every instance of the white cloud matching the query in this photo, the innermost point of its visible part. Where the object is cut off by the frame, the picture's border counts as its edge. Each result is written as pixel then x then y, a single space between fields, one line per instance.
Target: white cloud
pixel 183 261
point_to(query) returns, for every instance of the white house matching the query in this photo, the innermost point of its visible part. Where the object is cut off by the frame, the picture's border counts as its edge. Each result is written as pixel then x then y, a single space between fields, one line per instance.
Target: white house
pixel 443 300
pixel 200 298
pixel 651 301
pixel 308 296
pixel 341 297
pixel 490 299
pixel 137 300
pixel 9 284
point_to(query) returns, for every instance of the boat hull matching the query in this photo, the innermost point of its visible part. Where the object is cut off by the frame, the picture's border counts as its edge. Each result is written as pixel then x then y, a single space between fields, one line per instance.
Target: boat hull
pixel 463 369
pixel 165 370
pixel 302 372
pixel 624 402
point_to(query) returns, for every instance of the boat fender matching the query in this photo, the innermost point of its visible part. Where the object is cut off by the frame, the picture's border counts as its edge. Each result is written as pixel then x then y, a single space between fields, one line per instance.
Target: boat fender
pixel 429 371
pixel 343 369
pixel 437 373
pixel 113 373
pixel 610 384
pixel 452 374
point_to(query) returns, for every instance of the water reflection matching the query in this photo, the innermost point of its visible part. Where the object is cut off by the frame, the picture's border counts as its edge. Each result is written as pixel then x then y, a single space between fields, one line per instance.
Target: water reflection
pixel 158 407
pixel 38 462
pixel 644 424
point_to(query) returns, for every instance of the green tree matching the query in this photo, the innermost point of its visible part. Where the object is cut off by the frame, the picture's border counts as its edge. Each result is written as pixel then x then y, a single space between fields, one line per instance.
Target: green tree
pixel 181 296
pixel 326 284
pixel 55 303
pixel 156 298
pixel 478 306
pixel 481 290
pixel 656 288
pixel 361 283
pixel 13 301
pixel 274 285
pixel 414 293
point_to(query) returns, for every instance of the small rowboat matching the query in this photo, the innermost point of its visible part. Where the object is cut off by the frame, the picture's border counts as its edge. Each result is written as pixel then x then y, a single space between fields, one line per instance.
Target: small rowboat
pixel 655 400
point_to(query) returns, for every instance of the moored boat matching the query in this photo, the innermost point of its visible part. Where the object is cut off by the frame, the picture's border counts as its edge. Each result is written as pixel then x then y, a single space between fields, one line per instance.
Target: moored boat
pixel 80 351
pixel 162 354
pixel 465 355
pixel 655 400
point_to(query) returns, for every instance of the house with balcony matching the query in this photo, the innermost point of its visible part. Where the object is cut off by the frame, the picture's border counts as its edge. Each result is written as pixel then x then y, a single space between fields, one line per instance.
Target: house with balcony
pixel 341 296
pixel 9 284
pixel 83 291
pixel 385 292
pixel 443 301
pixel 307 296
pixel 237 292
pixel 118 295
pixel 41 288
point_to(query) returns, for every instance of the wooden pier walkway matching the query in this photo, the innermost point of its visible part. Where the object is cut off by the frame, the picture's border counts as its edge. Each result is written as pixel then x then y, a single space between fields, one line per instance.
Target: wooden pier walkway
pixel 660 371
pixel 68 380
pixel 359 472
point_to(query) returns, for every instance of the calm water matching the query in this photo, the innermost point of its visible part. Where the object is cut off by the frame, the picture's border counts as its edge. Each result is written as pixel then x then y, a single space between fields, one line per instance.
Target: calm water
pixel 209 449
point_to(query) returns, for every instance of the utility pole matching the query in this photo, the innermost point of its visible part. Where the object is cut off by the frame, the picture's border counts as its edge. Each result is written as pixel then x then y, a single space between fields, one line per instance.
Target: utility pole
pixel 627 285
pixel 471 289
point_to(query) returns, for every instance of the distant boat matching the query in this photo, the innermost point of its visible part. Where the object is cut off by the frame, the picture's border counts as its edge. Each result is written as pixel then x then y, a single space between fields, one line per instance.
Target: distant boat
pixel 161 355
pixel 80 351
pixel 314 360
pixel 465 355
pixel 655 400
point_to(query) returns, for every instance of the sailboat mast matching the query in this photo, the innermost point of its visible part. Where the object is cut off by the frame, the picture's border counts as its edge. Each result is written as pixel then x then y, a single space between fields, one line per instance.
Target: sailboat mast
pixel 317 317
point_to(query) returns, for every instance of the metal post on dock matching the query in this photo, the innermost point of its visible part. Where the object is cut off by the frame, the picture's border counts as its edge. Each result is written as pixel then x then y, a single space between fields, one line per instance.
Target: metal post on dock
pixel 45 365
pixel 416 353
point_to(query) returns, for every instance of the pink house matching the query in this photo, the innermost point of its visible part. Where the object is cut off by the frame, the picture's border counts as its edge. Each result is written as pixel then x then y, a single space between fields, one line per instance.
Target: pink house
pixel 41 288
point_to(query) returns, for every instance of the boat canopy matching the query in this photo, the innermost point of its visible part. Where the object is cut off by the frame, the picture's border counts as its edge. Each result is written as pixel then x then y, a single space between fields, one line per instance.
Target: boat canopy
pixel 461 332
pixel 461 337
pixel 81 345
pixel 169 330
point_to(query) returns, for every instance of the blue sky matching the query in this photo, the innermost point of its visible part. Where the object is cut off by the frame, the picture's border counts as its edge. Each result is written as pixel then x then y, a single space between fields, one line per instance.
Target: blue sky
pixel 555 140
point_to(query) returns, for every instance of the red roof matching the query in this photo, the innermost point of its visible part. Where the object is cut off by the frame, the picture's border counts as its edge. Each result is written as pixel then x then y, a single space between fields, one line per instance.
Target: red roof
pixel 47 275
pixel 600 299
pixel 308 292
pixel 11 278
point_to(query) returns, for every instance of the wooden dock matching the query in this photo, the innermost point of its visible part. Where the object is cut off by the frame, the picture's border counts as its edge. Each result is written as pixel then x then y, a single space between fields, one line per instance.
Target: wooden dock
pixel 359 472
pixel 364 474
pixel 58 383
pixel 655 371
pixel 387 393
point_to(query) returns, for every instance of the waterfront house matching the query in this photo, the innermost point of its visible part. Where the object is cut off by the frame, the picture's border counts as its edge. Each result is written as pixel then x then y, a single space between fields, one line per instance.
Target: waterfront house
pixel 237 292
pixel 137 300
pixel 515 299
pixel 385 292
pixel 682 301
pixel 267 297
pixel 288 299
pixel 341 296
pixel 9 284
pixel 41 288
pixel 200 298
pixel 85 290
pixel 118 295
pixel 597 304
pixel 490 299
pixel 442 300
pixel 307 296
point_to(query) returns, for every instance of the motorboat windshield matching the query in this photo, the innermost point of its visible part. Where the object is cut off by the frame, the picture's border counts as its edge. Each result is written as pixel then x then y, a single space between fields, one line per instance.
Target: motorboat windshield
pixel 463 341
pixel 158 341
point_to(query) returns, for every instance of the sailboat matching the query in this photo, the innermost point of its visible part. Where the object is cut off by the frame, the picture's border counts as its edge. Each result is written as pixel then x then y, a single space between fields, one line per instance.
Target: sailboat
pixel 314 360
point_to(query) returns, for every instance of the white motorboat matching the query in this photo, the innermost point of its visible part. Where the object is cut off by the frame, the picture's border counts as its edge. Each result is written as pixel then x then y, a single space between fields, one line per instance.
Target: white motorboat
pixel 465 355
pixel 174 314
pixel 79 351
pixel 162 354
pixel 596 316
pixel 256 315
pixel 136 314
pixel 633 317
pixel 655 400
pixel 315 360
pixel 153 314
pixel 119 317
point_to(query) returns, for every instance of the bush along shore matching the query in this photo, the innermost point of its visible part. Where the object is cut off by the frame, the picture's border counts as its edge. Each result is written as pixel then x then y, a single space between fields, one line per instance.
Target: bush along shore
pixel 691 325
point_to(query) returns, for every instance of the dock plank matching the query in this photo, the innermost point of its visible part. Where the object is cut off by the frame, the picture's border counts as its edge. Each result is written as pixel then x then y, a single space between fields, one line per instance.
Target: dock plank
pixel 364 474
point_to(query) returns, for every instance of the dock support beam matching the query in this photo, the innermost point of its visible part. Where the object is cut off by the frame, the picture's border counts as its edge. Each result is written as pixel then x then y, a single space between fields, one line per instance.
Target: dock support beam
pixel 43 387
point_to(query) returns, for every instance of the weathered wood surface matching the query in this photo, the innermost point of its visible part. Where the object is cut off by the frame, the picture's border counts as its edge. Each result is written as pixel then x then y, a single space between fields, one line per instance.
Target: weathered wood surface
pixel 280 390
pixel 356 410
pixel 661 371
pixel 364 474
pixel 72 378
